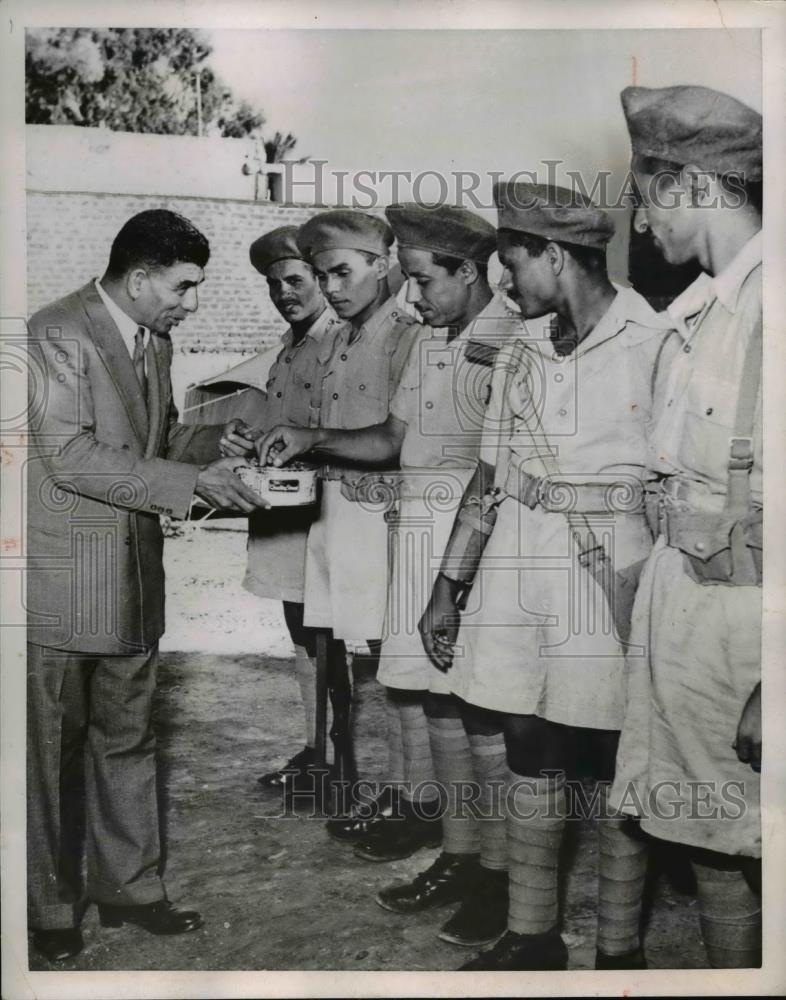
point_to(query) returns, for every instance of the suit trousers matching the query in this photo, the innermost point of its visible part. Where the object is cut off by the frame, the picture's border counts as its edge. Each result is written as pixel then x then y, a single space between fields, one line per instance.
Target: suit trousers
pixel 91 775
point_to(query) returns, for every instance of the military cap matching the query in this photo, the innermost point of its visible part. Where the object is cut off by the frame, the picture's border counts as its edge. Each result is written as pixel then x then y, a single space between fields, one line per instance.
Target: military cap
pixel 278 244
pixel 695 125
pixel 555 213
pixel 343 229
pixel 447 229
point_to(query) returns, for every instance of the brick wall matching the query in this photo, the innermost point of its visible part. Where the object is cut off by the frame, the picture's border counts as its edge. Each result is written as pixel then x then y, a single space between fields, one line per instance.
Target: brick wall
pixel 69 236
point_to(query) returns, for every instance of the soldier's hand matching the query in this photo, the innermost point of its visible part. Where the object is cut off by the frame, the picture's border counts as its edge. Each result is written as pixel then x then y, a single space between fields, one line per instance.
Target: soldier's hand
pixel 282 444
pixel 748 742
pixel 221 488
pixel 440 623
pixel 237 439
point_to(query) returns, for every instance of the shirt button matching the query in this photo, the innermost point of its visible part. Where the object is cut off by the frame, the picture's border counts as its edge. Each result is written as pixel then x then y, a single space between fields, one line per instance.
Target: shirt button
pixel 563 413
pixel 287 360
pixel 700 546
pixel 335 395
pixel 429 405
pixel 708 411
pixel 306 385
pixel 361 387
pixel 394 315
pixel 343 357
pixel 278 395
pixel 559 377
pixel 440 365
pixel 686 348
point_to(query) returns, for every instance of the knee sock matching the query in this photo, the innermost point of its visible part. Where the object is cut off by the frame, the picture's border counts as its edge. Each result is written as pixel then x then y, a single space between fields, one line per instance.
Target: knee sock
pixel 622 869
pixel 395 771
pixel 418 769
pixel 730 917
pixel 492 775
pixel 535 824
pixel 453 771
pixel 306 668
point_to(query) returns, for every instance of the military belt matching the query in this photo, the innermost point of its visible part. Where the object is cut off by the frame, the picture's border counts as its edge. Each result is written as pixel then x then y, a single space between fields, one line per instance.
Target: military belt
pixel 559 495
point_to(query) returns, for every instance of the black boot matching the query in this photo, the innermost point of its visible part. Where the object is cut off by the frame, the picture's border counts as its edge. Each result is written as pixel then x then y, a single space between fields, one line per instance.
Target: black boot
pixel 363 819
pixel 522 953
pixel 630 960
pixel 400 835
pixel 448 880
pixel 295 769
pixel 482 917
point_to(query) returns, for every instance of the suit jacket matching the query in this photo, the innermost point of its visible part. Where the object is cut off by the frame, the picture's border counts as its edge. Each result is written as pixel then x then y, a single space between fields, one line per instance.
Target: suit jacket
pixel 102 467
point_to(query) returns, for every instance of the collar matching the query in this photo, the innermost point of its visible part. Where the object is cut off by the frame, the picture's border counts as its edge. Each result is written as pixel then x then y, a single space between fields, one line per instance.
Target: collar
pixel 628 308
pixel 324 321
pixel 123 321
pixel 731 279
pixel 387 314
pixel 725 287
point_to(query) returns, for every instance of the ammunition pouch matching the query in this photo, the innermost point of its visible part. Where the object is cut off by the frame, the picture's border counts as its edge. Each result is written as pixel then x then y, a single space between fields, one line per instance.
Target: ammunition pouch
pixel 717 548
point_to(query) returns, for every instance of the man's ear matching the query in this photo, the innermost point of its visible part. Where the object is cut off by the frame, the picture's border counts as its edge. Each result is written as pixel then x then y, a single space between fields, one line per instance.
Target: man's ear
pixel 700 185
pixel 382 266
pixel 134 281
pixel 468 270
pixel 555 256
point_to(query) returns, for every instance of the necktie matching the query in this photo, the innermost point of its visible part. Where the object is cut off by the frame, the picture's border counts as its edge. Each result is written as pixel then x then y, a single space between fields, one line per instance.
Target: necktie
pixel 139 359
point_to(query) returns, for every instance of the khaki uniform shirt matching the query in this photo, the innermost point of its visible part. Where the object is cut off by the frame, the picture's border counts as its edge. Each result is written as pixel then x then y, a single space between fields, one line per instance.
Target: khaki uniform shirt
pixel 552 651
pixel 698 382
pixel 277 538
pixel 361 377
pixel 295 379
pixel 445 388
pixel 591 428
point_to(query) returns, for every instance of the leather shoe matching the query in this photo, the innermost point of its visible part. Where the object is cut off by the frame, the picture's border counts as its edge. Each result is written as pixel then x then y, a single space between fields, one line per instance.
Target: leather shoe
pixel 522 953
pixel 448 880
pixel 399 836
pixel 286 777
pixel 362 820
pixel 630 960
pixel 160 917
pixel 58 945
pixel 482 917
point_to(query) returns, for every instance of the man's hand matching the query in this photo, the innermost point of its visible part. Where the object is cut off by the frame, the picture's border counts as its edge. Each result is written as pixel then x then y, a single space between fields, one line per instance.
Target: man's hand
pixel 748 742
pixel 220 487
pixel 283 443
pixel 439 625
pixel 237 439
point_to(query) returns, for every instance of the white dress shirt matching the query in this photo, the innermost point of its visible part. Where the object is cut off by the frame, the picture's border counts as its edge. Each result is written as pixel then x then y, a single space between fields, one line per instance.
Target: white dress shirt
pixel 127 326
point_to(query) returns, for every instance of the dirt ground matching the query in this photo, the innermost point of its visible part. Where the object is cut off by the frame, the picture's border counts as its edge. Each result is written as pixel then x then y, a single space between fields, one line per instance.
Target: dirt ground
pixel 276 892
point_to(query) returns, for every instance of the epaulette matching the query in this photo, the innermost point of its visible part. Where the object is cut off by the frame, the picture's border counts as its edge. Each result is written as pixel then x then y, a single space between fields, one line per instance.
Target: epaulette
pixel 478 353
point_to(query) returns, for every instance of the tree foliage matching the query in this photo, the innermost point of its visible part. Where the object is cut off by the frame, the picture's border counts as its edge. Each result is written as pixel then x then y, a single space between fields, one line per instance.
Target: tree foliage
pixel 132 80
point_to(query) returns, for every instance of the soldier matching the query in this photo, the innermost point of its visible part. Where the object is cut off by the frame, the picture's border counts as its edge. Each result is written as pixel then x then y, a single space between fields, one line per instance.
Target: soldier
pixel 434 429
pixel 346 558
pixel 693 713
pixel 533 658
pixel 277 546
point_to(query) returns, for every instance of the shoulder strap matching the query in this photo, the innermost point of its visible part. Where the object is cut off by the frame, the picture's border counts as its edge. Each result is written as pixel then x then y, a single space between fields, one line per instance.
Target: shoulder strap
pixel 740 460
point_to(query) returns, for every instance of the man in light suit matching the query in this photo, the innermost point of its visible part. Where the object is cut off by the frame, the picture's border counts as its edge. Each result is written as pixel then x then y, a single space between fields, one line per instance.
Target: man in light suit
pixel 106 458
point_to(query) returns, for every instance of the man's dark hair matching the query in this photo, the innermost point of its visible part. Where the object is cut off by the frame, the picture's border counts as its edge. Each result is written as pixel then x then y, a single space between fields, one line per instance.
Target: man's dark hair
pixel 590 259
pixel 156 239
